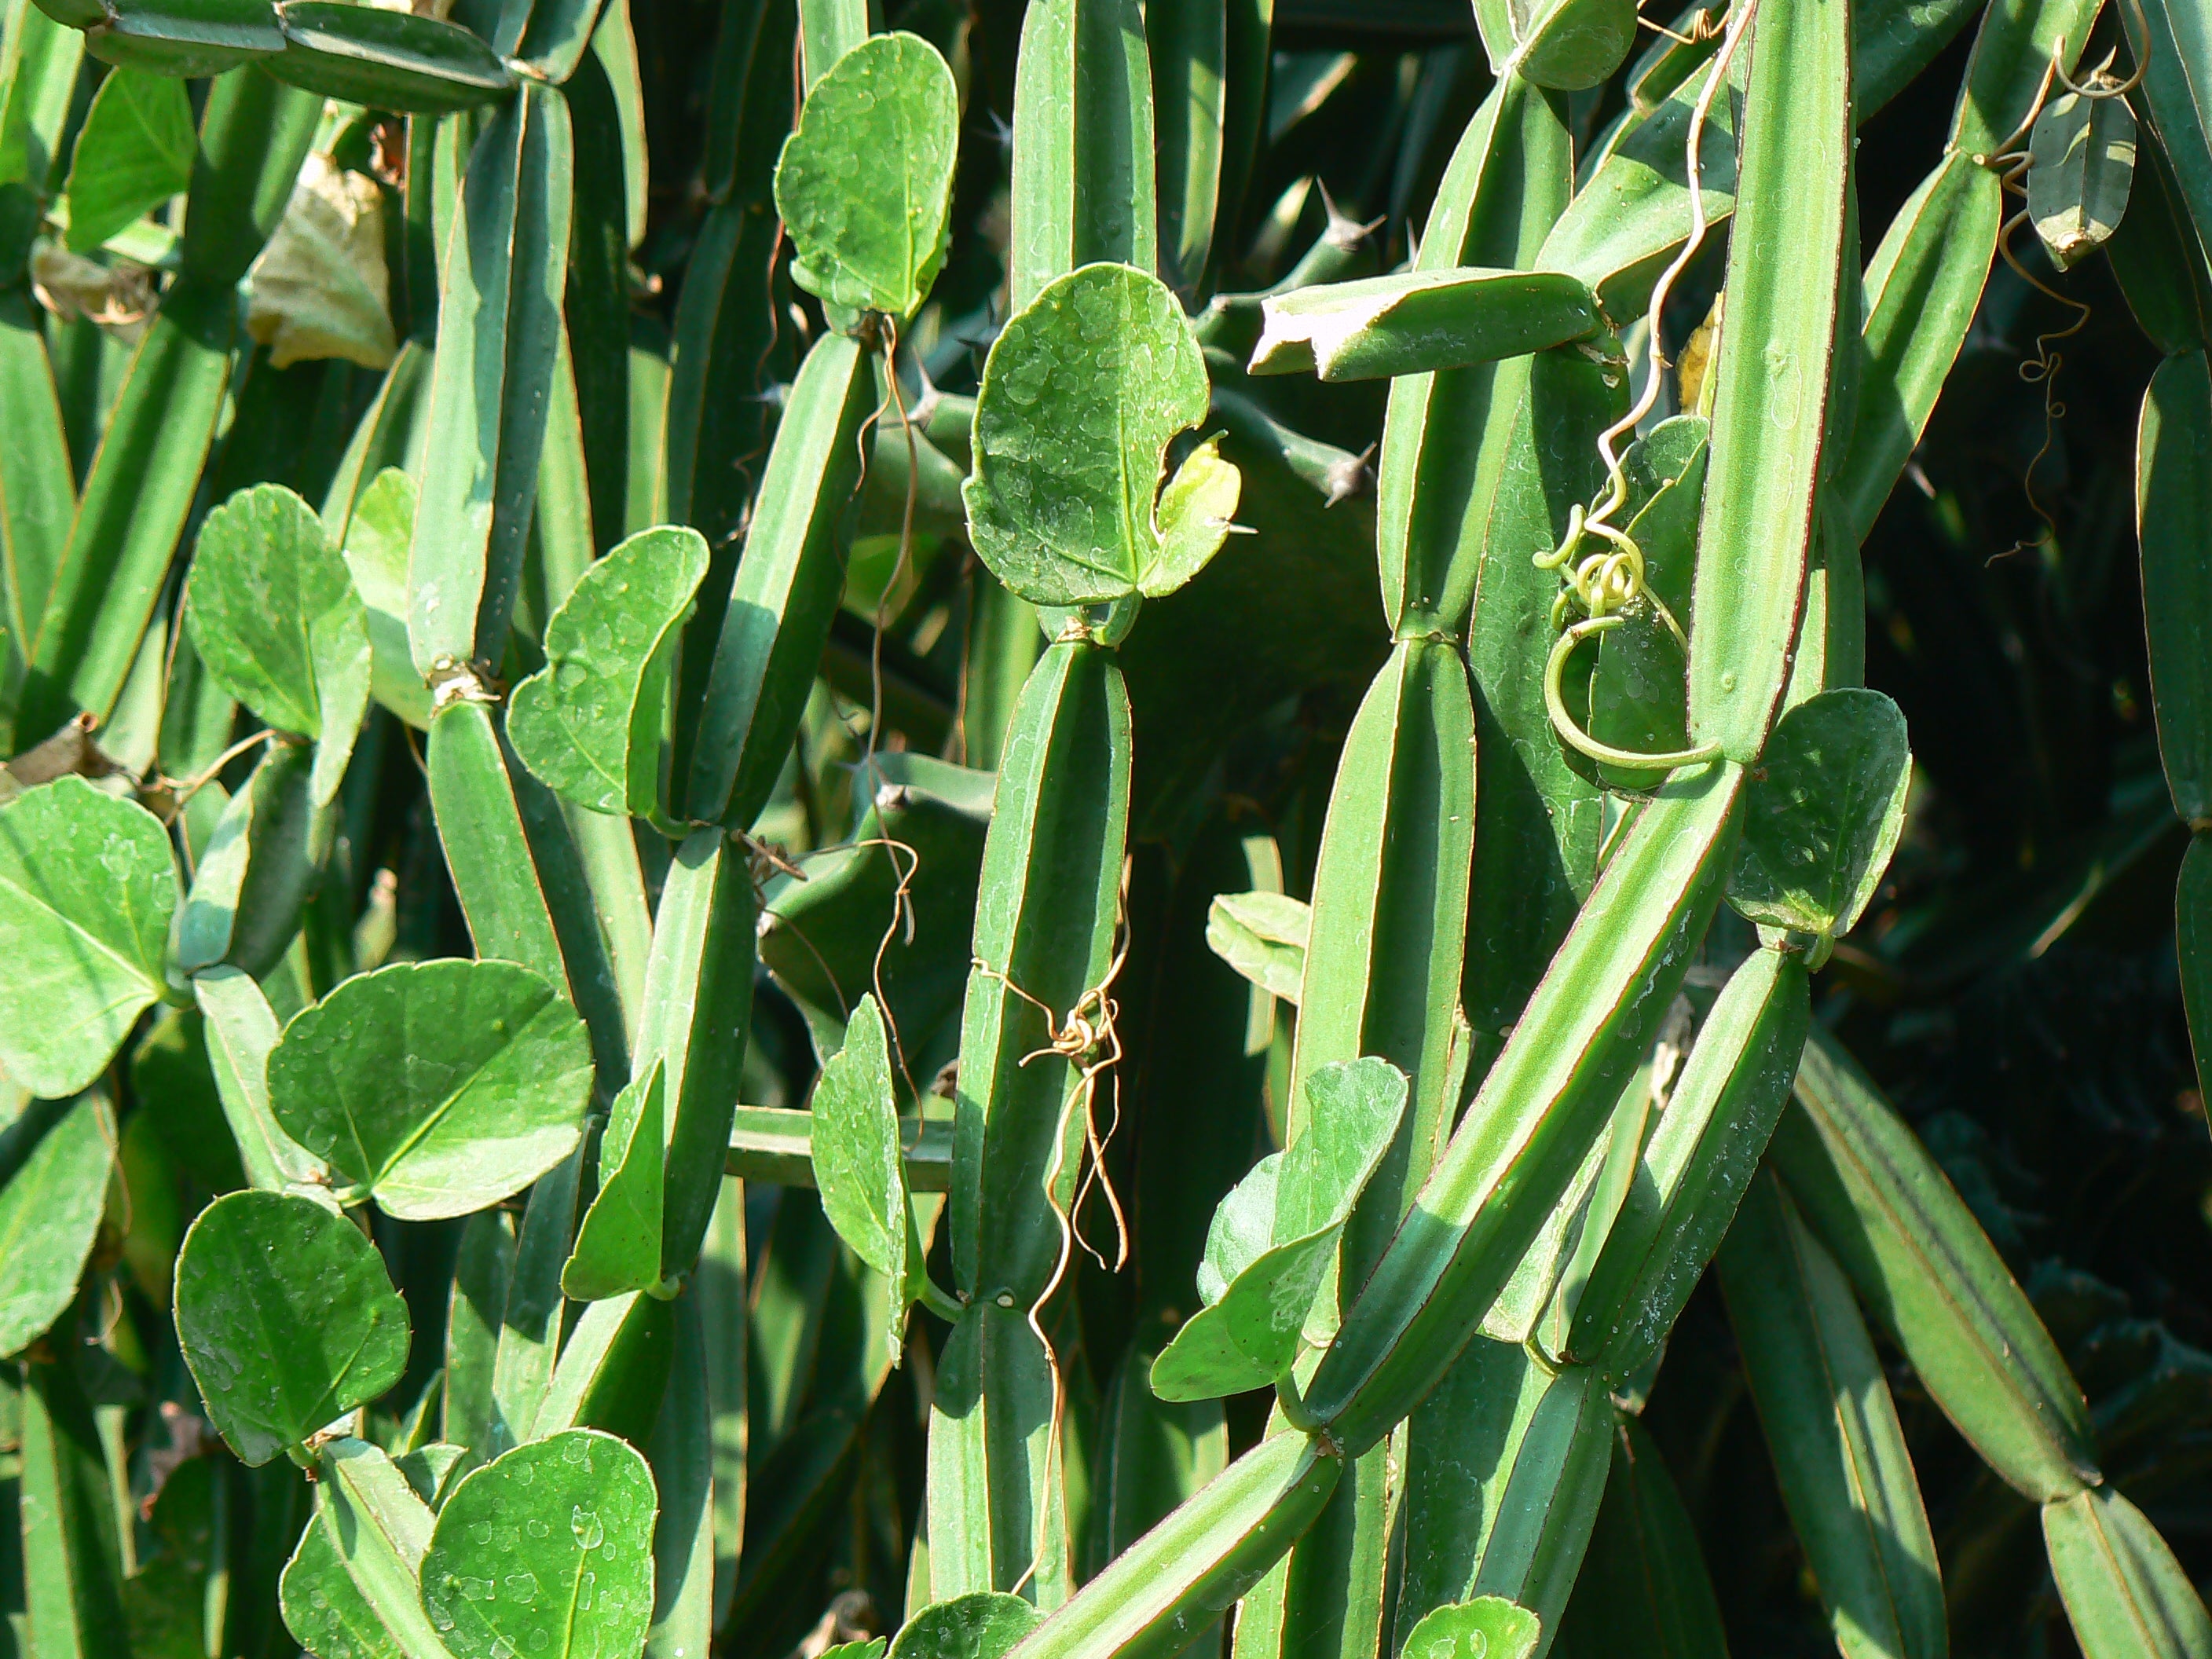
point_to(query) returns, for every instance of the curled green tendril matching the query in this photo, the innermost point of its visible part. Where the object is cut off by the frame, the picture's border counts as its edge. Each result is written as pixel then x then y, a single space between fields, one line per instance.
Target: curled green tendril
pixel 1555 704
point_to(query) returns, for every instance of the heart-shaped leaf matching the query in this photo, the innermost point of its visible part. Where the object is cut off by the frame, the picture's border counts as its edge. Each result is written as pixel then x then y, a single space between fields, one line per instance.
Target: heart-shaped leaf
pixel 618 1245
pixel 1488 1627
pixel 1826 807
pixel 375 551
pixel 546 1551
pixel 87 891
pixel 1082 392
pixel 863 185
pixel 435 1087
pixel 134 153
pixel 54 1165
pixel 981 1626
pixel 589 723
pixel 1261 1284
pixel 275 619
pixel 857 1162
pixel 1263 937
pixel 287 1318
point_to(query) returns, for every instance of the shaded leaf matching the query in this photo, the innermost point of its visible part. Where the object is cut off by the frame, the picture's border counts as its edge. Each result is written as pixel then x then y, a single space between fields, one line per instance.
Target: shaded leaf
pixel 857 1163
pixel 57 1157
pixel 375 551
pixel 1824 811
pixel 2082 161
pixel 286 1316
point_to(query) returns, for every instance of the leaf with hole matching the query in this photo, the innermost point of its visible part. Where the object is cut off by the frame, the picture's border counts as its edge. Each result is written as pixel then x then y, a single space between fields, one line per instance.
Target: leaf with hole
pixel 1082 393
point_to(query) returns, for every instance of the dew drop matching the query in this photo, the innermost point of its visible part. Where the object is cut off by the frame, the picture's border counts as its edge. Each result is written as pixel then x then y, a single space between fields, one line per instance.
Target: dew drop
pixel 585 1523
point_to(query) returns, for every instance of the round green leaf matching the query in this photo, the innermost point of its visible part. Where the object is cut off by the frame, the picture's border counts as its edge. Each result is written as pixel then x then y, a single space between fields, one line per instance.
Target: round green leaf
pixel 287 1318
pixel 87 890
pixel 589 723
pixel 54 1164
pixel 546 1552
pixel 982 1625
pixel 275 619
pixel 1081 394
pixel 323 1609
pixel 1826 807
pixel 437 1087
pixel 134 154
pixel 1488 1627
pixel 863 184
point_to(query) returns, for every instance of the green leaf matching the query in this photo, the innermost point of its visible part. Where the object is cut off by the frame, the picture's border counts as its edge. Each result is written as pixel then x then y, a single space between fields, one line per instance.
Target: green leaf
pixel 1823 813
pixel 134 153
pixel 1413 322
pixel 546 1551
pixel 1263 1268
pixel 1081 394
pixel 388 60
pixel 255 873
pixel 2083 159
pixel 57 1157
pixel 287 1318
pixel 1263 937
pixel 2173 509
pixel 1832 1428
pixel 435 1087
pixel 857 1163
pixel 2125 1594
pixel 380 1528
pixel 590 722
pixel 619 1244
pixel 375 551
pixel 1488 1627
pixel 242 1029
pixel 323 1608
pixel 982 1625
pixel 865 183
pixel 87 890
pixel 275 619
